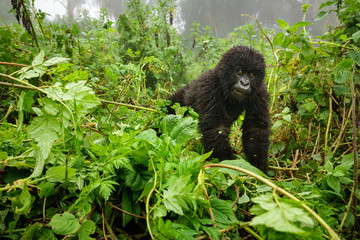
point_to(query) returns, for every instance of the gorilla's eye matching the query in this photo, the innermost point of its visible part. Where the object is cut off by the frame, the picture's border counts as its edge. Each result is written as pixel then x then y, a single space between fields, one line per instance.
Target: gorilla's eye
pixel 240 72
pixel 251 74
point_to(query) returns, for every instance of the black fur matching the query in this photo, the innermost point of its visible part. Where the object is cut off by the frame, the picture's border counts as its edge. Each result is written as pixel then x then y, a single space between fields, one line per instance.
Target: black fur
pixel 213 97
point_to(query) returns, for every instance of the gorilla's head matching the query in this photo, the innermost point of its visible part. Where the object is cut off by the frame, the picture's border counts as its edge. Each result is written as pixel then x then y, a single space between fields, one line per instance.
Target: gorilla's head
pixel 241 71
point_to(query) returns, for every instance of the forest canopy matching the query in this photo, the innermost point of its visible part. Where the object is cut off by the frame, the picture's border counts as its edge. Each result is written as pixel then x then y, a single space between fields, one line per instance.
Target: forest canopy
pixel 88 150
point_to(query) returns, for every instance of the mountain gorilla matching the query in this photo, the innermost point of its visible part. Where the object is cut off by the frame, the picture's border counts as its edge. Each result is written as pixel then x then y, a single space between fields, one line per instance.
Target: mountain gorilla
pixel 221 94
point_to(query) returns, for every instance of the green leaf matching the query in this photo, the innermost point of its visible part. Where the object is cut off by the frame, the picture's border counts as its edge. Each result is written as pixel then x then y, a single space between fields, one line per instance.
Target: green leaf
pixel 334 183
pixel 341 90
pixel 327 3
pixel 64 224
pixel 321 15
pixel 343 71
pixel 36 231
pixel 309 107
pixel 28 74
pixel 179 129
pixel 44 129
pixel 39 164
pixel 87 228
pixel 282 24
pixel 126 205
pixel 277 147
pixel 355 56
pixel 160 212
pixel 282 215
pixel 39 59
pixel 149 136
pixel 302 24
pixel 305 7
pixel 279 39
pixel 20 110
pixel 175 195
pixel 22 203
pixel 356 36
pixel 222 211
pixel 56 60
pixel 57 174
pixel 106 188
pixel 50 106
pixel 46 189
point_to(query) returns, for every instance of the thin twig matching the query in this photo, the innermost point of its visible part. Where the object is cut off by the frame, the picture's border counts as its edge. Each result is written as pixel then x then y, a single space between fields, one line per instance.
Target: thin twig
pixel 14 64
pixel 131 214
pixel 130 106
pixel 103 222
pixel 210 209
pixel 353 95
pixel 237 196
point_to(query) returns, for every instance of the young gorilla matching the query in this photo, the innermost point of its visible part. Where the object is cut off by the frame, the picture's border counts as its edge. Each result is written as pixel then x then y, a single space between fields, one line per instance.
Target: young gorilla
pixel 221 94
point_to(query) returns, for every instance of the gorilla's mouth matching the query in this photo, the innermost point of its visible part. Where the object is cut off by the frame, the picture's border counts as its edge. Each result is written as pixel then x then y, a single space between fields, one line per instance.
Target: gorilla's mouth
pixel 240 93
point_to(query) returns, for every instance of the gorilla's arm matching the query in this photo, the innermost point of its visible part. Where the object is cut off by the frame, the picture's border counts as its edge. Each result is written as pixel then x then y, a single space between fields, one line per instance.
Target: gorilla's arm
pixel 214 121
pixel 215 132
pixel 256 129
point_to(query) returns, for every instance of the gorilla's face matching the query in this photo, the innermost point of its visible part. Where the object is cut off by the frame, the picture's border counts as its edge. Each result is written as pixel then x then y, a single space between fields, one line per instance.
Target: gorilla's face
pixel 242 71
pixel 242 86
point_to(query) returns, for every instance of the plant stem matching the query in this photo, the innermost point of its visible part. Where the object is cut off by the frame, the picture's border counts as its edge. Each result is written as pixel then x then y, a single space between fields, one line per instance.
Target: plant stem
pixel 355 189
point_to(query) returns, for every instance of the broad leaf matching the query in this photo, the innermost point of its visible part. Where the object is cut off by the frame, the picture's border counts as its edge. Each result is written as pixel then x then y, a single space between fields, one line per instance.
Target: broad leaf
pixel 44 129
pixel 23 202
pixel 64 224
pixel 87 228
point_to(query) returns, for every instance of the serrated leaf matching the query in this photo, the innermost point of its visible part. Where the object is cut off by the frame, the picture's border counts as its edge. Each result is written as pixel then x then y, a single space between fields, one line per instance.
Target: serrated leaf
pixel 50 106
pixel 281 216
pixel 39 59
pixel 106 188
pixel 159 212
pixel 341 90
pixel 40 70
pixel 222 211
pixel 356 36
pixel 29 74
pixel 64 224
pixel 87 228
pixel 343 71
pixel 44 129
pixel 179 129
pixel 355 56
pixel 56 60
pixel 175 194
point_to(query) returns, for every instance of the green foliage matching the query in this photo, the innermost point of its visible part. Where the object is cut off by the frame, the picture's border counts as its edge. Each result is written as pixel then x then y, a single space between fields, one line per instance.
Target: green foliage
pixel 81 155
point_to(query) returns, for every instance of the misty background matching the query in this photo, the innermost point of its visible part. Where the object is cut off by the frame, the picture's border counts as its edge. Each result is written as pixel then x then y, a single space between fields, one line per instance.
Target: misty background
pixel 221 15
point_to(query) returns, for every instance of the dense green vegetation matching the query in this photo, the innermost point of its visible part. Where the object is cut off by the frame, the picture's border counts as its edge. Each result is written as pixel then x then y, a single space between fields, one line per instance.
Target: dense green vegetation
pixel 87 150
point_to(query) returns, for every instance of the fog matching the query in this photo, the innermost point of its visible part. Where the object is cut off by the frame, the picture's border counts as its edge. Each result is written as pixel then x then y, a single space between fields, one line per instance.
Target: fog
pixel 222 15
